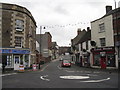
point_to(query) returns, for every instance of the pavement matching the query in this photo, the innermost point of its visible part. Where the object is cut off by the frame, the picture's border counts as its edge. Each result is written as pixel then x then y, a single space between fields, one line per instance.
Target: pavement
pixel 25 70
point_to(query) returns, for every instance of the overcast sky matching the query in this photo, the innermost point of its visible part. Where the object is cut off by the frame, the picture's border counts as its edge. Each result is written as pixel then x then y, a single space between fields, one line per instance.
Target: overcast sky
pixel 62 18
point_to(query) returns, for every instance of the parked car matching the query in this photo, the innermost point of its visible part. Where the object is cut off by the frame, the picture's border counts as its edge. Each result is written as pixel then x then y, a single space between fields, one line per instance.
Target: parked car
pixel 65 63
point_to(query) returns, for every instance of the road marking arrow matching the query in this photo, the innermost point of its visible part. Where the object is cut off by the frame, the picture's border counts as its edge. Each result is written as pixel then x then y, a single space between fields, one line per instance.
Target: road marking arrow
pixel 44 78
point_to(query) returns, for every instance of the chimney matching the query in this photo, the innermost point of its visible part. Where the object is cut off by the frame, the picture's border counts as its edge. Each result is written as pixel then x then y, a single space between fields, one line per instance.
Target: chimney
pixel 108 8
pixel 78 31
pixel 88 28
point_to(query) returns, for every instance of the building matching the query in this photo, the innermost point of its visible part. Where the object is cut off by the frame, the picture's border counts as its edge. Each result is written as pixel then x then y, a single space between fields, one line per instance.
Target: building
pixel 104 35
pixel 84 48
pixel 45 41
pixel 64 49
pixel 55 50
pixel 17 32
pixel 75 46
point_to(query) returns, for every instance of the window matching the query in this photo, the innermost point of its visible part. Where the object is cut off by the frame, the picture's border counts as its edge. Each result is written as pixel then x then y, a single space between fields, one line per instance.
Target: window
pixel 102 42
pixel 9 60
pixel 96 60
pixel 110 60
pixel 19 25
pixel 102 27
pixel 18 41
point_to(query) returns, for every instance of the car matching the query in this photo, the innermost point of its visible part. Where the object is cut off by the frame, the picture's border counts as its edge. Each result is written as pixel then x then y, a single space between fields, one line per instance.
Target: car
pixel 65 63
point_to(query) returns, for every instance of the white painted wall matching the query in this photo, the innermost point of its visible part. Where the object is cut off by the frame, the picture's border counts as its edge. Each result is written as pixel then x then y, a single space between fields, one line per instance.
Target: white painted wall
pixel 108 34
pixel 37 46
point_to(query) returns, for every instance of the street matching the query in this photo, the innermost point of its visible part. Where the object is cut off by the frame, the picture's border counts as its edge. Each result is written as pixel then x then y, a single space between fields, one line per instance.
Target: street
pixel 52 75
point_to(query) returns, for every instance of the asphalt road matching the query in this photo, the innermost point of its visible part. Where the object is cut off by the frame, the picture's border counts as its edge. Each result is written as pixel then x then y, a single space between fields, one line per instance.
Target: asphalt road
pixel 54 76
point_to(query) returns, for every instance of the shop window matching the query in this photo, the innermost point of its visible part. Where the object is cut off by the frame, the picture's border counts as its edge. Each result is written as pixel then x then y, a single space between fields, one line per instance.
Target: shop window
pixel 101 27
pixel 110 60
pixel 96 60
pixel 102 42
pixel 19 25
pixel 9 60
pixel 18 42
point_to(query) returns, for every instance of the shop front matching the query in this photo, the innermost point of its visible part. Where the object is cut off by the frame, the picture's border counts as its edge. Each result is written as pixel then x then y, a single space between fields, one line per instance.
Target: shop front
pixel 12 58
pixel 103 57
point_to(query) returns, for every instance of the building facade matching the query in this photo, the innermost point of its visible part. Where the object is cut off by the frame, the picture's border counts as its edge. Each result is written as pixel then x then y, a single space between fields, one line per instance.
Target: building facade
pixel 45 41
pixel 103 54
pixel 84 49
pixel 75 47
pixel 55 50
pixel 18 32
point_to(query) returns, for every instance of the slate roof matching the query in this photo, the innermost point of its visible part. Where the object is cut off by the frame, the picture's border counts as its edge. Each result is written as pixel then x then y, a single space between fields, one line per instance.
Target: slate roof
pixel 86 37
pixel 78 37
pixel 109 13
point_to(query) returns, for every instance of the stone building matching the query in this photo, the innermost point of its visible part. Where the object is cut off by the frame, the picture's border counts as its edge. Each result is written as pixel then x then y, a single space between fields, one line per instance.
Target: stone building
pixel 17 32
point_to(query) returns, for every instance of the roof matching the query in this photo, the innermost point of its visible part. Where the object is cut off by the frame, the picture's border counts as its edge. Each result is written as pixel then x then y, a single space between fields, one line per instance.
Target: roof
pixel 78 37
pixel 109 13
pixel 86 37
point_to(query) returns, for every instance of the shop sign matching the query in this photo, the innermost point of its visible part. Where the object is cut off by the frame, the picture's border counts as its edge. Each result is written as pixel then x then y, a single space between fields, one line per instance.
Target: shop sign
pixel 103 48
pixel 14 51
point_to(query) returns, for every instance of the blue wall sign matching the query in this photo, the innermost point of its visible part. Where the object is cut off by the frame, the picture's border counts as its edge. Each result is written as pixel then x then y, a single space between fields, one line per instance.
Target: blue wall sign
pixel 14 51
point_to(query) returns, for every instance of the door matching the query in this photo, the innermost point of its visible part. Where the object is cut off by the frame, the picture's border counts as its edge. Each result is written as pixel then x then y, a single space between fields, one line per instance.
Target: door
pixel 16 62
pixel 103 62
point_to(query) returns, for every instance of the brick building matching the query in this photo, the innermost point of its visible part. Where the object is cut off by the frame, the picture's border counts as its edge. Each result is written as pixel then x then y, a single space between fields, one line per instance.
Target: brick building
pixel 17 32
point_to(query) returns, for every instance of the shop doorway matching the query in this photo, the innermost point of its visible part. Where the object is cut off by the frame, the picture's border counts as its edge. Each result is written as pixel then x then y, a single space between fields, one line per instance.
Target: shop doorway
pixel 103 60
pixel 16 62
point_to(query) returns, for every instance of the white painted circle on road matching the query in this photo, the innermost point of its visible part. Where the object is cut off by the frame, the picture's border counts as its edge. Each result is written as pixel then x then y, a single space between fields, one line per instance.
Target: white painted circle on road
pixel 74 77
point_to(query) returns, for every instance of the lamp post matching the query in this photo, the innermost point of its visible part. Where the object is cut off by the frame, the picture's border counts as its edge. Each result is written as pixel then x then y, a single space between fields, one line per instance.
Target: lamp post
pixel 116 39
pixel 40 44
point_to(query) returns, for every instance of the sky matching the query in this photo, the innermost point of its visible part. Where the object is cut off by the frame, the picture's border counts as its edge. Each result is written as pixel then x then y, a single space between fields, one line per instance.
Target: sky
pixel 62 18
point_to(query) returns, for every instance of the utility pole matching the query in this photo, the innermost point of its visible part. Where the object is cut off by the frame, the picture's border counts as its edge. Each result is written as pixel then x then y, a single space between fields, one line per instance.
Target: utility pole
pixel 40 44
pixel 116 39
pixel 40 54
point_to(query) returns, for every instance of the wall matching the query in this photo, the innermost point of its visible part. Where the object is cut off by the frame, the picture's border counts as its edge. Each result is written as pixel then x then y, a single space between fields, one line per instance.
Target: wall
pixel 108 34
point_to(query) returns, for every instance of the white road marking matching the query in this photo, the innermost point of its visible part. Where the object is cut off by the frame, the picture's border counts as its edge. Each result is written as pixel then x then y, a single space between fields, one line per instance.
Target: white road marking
pixel 7 74
pixel 92 81
pixel 74 77
pixel 44 78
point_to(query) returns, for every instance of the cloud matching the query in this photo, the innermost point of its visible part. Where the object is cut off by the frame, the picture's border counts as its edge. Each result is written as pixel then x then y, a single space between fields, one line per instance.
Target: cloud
pixel 60 9
pixel 63 12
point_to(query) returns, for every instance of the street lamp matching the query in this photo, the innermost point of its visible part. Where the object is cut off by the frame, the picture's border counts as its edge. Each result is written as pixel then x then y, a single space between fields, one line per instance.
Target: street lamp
pixel 116 39
pixel 40 43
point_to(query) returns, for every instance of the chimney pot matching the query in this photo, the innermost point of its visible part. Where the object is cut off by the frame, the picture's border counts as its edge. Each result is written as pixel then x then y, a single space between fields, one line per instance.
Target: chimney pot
pixel 78 31
pixel 108 8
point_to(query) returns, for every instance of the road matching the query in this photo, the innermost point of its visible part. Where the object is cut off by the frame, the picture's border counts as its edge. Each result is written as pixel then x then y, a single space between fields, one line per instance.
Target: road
pixel 54 76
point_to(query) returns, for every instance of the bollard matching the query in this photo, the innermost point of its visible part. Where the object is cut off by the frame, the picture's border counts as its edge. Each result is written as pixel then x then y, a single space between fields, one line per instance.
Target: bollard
pixel 21 68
